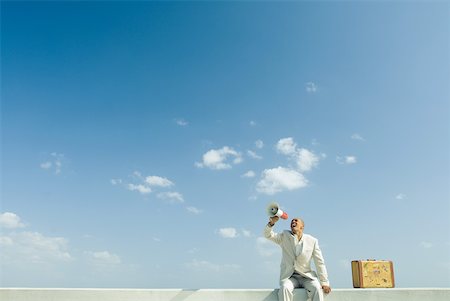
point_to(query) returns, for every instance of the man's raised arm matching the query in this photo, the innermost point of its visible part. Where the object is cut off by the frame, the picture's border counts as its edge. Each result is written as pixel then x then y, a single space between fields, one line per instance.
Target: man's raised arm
pixel 268 231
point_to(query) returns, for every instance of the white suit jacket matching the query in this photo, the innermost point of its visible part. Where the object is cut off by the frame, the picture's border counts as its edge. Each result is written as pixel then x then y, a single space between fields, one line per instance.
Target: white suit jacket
pixel 301 264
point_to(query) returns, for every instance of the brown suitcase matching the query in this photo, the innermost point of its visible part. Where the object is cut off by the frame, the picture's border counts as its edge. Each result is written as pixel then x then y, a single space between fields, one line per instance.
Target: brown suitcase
pixel 373 273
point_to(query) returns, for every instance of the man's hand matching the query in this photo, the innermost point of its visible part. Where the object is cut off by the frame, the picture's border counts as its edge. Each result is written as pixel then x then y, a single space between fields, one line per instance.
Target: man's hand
pixel 273 220
pixel 326 289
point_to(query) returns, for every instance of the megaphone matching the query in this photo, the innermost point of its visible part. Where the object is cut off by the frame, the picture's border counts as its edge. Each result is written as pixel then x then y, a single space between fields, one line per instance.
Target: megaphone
pixel 274 210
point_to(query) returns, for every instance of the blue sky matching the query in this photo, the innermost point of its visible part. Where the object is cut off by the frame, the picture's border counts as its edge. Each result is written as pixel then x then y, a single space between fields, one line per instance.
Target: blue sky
pixel 142 141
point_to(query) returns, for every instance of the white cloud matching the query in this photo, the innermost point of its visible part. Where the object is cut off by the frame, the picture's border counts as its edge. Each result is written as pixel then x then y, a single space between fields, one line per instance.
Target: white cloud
pixel 206 266
pixel 311 87
pixel 139 187
pixel 30 247
pixel 426 244
pixel 171 196
pixel 253 198
pixel 246 233
pixel 252 123
pixel 400 196
pixel 147 184
pixel 193 210
pixel 6 241
pixel 280 179
pixel 228 232
pixel 193 251
pixel 116 181
pixel 181 122
pixel 46 165
pixel 54 163
pixel 238 159
pixel 34 247
pixel 259 144
pixel 233 232
pixel 306 160
pixel 10 220
pixel 58 165
pixel 288 178
pixel 266 248
pixel 217 158
pixel 346 160
pixel 158 181
pixel 357 137
pixel 249 174
pixel 253 155
pixel 104 258
pixel 137 174
pixel 286 146
pixel 350 159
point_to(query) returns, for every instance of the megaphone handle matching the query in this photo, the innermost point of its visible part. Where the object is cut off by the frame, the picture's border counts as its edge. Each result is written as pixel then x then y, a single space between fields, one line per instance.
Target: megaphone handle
pixel 274 219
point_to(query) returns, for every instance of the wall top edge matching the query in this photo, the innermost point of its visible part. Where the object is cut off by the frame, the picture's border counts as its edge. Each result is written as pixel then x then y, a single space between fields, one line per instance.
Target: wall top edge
pixel 219 290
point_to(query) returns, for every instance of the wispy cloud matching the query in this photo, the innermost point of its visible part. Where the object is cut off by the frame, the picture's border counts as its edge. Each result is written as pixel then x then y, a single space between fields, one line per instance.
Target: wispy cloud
pixel 246 233
pixel 104 258
pixel 346 160
pixel 249 174
pixel 253 155
pixel 259 144
pixel 400 196
pixel 306 160
pixel 193 210
pixel 220 159
pixel 27 246
pixel 206 266
pixel 171 196
pixel 46 165
pixel 266 248
pixel 231 232
pixel 158 181
pixel 148 184
pixel 181 122
pixel 357 137
pixel 54 163
pixel 228 232
pixel 426 244
pixel 311 87
pixel 141 188
pixel 116 181
pixel 33 247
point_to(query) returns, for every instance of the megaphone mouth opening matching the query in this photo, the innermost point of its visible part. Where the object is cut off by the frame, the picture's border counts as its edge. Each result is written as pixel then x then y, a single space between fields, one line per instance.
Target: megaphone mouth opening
pixel 274 210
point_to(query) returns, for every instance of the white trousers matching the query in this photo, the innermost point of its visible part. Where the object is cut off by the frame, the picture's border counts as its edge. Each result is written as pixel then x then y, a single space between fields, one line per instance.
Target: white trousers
pixel 312 287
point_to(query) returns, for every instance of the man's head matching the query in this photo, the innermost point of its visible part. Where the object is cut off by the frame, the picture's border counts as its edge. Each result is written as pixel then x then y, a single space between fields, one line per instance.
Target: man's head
pixel 297 225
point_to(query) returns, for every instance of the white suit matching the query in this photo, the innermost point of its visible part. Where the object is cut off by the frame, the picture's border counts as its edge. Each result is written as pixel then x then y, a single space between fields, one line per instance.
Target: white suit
pixel 299 262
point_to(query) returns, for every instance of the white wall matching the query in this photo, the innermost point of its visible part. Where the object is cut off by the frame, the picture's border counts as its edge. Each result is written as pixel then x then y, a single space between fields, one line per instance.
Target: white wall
pixel 31 294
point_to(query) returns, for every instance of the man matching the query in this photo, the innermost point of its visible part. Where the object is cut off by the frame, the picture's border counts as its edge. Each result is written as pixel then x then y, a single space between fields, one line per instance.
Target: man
pixel 297 251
